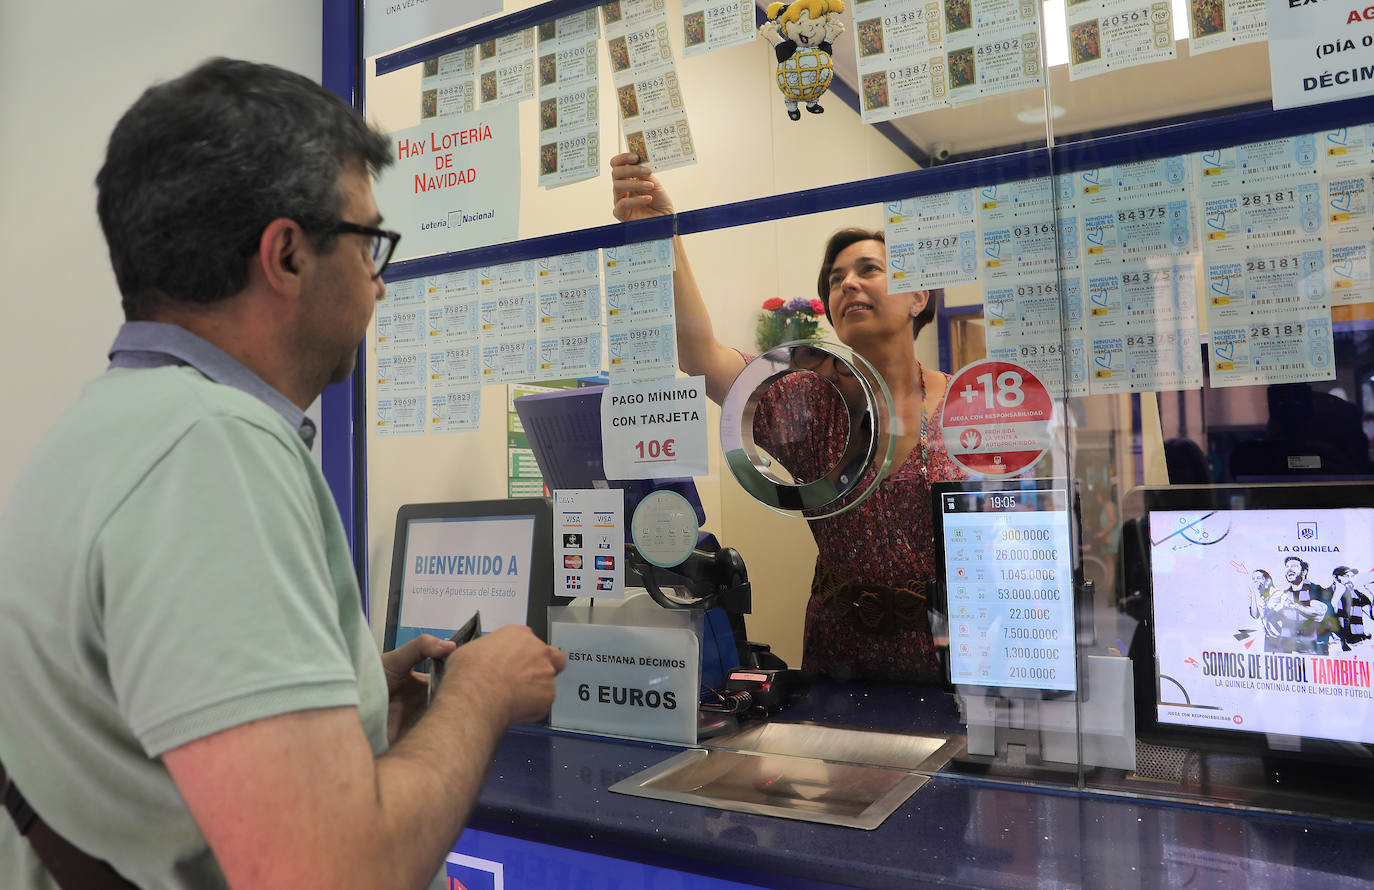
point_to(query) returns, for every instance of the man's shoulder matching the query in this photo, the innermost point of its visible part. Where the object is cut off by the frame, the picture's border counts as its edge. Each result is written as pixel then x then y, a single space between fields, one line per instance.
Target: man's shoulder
pixel 175 398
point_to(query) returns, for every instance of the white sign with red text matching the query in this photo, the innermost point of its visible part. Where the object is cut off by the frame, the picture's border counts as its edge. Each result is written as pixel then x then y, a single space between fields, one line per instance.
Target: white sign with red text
pixel 1320 52
pixel 996 418
pixel 449 188
pixel 654 430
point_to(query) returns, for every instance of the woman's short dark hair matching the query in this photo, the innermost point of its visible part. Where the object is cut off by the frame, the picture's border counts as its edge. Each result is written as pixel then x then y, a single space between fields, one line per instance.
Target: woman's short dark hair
pixel 845 237
pixel 198 167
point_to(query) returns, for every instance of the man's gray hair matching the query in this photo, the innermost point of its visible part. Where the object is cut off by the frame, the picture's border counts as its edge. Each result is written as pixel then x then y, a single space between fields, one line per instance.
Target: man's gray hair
pixel 199 166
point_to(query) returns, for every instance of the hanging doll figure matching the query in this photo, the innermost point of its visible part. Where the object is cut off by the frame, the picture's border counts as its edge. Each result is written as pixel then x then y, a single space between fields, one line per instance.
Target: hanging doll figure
pixel 801 33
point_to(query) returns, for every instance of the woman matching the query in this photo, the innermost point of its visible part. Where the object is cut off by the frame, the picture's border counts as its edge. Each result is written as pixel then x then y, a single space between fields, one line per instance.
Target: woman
pixel 867 614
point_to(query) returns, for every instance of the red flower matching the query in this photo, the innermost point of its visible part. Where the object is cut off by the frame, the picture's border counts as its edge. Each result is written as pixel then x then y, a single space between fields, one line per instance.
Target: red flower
pixel 818 307
pixel 773 303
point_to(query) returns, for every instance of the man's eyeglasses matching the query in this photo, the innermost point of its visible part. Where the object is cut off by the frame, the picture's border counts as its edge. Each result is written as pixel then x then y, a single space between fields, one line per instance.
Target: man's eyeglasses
pixel 809 358
pixel 381 243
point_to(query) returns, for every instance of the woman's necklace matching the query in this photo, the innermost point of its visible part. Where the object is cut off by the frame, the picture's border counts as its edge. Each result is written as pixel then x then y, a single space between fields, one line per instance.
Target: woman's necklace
pixel 925 419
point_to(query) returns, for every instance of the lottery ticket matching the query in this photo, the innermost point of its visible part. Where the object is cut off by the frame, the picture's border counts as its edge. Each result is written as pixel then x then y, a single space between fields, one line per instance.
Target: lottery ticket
pixel 448 84
pixel 1158 229
pixel 458 364
pixel 638 47
pixel 453 318
pixel 510 358
pixel 1108 35
pixel 650 97
pixel 566 157
pixel 665 145
pixel 1296 349
pixel 568 29
pixel 412 290
pixel 932 241
pixel 1273 162
pixel 639 259
pixel 1163 358
pixel 1107 370
pixel 1101 246
pixel 711 25
pixel 640 300
pixel 569 100
pixel 1269 286
pixel 1159 297
pixel 569 64
pixel 1218 24
pixel 641 354
pixel 998 62
pixel 1348 273
pixel 1345 148
pixel 1346 206
pixel 900 59
pixel 454 409
pixel 571 351
pixel 401 369
pixel 402 414
pixel 1103 304
pixel 402 325
pixel 505 68
pixel 906 88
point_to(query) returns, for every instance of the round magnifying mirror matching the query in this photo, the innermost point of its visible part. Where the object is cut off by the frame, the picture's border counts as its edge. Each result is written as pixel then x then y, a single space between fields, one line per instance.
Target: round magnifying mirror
pixel 825 406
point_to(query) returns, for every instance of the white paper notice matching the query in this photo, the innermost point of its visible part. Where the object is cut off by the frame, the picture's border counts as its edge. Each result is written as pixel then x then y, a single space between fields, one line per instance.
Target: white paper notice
pixel 1319 52
pixel 654 430
pixel 1108 35
pixel 589 542
pixel 640 682
pixel 388 24
pixel 448 189
pixel 710 25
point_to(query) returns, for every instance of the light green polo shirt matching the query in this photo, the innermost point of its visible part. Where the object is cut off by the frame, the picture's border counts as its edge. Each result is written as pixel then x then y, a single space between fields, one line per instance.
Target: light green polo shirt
pixel 172 564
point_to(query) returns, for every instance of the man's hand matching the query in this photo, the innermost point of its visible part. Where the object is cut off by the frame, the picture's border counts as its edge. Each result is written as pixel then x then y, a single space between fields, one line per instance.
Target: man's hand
pixel 510 668
pixel 635 193
pixel 408 691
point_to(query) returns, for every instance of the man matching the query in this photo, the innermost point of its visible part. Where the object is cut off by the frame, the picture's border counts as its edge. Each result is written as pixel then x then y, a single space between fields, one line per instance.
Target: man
pixel 1316 623
pixel 1351 605
pixel 192 693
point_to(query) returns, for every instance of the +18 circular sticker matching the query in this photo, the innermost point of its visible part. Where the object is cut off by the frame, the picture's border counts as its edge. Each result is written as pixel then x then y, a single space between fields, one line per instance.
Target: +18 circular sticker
pixel 996 418
pixel 664 528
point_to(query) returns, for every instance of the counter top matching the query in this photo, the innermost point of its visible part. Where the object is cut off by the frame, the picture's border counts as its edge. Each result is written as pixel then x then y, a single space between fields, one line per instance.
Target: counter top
pixel 957 830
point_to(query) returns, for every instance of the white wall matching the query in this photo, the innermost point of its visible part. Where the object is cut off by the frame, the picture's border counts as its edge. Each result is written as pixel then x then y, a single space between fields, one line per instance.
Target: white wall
pixel 70 70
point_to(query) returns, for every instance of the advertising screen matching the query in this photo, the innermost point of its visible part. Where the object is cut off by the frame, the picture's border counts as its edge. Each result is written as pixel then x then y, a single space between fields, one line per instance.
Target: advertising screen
pixel 1262 619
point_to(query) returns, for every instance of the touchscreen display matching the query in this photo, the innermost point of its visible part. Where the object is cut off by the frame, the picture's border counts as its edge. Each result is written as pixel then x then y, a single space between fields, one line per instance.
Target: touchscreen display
pixel 457 566
pixel 1009 579
pixel 1262 620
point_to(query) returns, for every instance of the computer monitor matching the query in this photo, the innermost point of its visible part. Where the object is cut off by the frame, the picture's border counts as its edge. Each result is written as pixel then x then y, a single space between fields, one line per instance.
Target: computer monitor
pixel 1004 566
pixel 564 430
pixel 1260 611
pixel 453 559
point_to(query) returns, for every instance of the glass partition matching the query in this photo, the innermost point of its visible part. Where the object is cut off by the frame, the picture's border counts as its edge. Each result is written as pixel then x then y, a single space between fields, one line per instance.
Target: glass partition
pixel 1125 519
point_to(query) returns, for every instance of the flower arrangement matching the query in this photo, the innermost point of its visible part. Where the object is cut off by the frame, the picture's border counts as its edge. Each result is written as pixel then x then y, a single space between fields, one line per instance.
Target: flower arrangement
pixel 795 319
